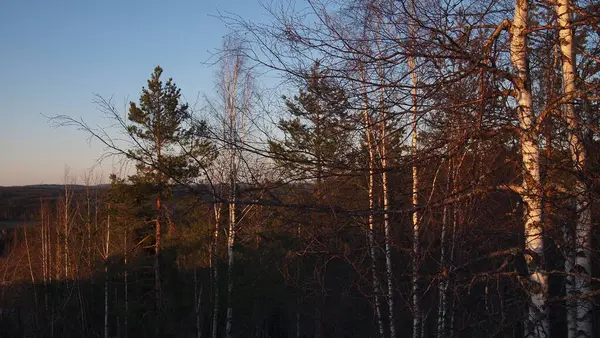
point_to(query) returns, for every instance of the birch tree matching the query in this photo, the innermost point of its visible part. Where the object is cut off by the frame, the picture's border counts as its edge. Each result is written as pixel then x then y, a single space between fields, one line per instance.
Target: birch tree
pixel 370 144
pixel 235 87
pixel 578 261
pixel 105 257
pixel 214 263
pixel 538 325
pixel 416 250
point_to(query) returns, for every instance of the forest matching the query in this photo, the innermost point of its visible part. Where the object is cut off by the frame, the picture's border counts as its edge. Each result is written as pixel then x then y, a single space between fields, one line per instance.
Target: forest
pixel 364 168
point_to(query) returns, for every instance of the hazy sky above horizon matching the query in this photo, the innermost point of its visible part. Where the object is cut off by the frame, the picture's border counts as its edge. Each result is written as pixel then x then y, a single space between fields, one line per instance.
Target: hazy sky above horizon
pixel 54 55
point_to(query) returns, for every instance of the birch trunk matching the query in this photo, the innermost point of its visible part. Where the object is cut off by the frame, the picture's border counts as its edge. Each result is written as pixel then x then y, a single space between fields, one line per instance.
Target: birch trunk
pixel 215 272
pixel 416 250
pixel 579 319
pixel 105 254
pixel 89 228
pixel 371 225
pixel 230 242
pixel 443 289
pixel 371 239
pixel 88 221
pixel 32 277
pixel 298 300
pixel 386 206
pixel 371 219
pixel 416 245
pixel 57 250
pixel 45 259
pixel 234 87
pixel 126 288
pixel 416 299
pixel 231 85
pixel 538 325
pixel 570 287
pixel 453 249
pixel 389 273
pixel 66 227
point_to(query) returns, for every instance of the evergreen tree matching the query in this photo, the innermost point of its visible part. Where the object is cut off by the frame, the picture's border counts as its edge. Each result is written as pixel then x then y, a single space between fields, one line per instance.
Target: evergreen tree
pixel 167 137
pixel 318 135
pixel 167 142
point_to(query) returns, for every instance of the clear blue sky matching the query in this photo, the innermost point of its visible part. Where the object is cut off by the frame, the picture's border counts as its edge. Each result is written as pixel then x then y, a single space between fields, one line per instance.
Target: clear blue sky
pixel 54 55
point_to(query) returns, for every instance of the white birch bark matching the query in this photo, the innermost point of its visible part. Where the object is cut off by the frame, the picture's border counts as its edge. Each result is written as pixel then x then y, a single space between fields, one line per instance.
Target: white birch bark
pixel 31 273
pixel 371 225
pixel 66 232
pixel 386 204
pixel 215 271
pixel 67 224
pixel 371 195
pixel 45 245
pixel 126 288
pixel 57 250
pixel 417 326
pixel 230 259
pixel 416 225
pixel 416 298
pixel 371 239
pixel 443 288
pixel 579 319
pixel 452 319
pixel 537 325
pixel 231 73
pixel 105 254
pixel 570 289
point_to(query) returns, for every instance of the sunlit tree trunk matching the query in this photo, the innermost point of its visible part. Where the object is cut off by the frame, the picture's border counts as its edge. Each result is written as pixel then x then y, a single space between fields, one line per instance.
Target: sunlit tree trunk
pixel 215 271
pixel 236 91
pixel 126 286
pixel 66 225
pixel 443 288
pixel 44 231
pixel 88 220
pixel 453 248
pixel 106 253
pixel 579 318
pixel 33 284
pixel 298 301
pixel 371 219
pixel 58 242
pixel 89 227
pixel 230 258
pixel 231 74
pixel 416 250
pixel 384 153
pixel 198 304
pixel 538 325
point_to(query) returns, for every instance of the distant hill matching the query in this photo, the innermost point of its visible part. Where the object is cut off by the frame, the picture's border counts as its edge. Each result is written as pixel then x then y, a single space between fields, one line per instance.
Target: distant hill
pixel 22 203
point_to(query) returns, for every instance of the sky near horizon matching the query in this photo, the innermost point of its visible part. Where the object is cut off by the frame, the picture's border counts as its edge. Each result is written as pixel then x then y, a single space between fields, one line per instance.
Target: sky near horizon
pixel 55 55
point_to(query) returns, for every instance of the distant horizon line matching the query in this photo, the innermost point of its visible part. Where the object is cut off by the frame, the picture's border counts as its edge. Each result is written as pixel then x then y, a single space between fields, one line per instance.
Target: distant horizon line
pixel 53 185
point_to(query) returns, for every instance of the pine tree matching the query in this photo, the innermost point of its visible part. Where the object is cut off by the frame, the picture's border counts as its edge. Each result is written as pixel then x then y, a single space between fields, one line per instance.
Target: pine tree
pixel 318 136
pixel 167 141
